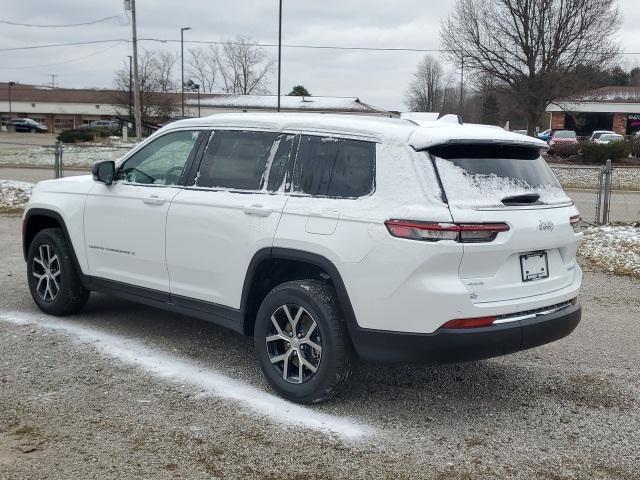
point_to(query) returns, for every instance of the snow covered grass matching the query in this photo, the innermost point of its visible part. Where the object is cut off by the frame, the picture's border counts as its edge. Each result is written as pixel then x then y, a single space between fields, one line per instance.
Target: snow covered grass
pixel 615 248
pixel 587 178
pixel 84 155
pixel 14 195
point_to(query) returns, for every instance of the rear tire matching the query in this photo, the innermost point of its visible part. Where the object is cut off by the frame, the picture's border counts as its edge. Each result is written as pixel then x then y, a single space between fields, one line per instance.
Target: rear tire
pixel 299 325
pixel 53 280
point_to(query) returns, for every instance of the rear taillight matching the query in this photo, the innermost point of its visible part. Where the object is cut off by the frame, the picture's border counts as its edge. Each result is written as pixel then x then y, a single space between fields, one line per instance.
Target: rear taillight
pixel 435 232
pixel 575 223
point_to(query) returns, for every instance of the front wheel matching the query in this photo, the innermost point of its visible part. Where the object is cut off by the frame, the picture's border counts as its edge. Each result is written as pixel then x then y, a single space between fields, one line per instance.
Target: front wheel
pixel 302 341
pixel 53 280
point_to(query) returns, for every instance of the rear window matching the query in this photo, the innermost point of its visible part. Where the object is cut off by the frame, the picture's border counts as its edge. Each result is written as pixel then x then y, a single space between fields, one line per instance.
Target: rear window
pixel 492 175
pixel 335 167
pixel 565 134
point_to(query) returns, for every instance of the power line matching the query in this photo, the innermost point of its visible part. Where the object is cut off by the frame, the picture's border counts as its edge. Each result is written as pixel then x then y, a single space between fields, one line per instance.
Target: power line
pixel 264 45
pixel 63 61
pixel 92 22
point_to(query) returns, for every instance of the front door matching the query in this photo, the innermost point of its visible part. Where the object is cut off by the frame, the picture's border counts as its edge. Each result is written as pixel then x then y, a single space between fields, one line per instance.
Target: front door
pixel 228 211
pixel 124 223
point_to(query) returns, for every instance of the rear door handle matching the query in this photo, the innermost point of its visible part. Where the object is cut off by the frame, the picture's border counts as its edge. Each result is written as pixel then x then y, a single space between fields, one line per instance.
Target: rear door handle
pixel 154 200
pixel 258 211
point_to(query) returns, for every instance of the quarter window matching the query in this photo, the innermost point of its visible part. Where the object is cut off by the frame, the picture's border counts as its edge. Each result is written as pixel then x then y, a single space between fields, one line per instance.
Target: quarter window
pixel 162 161
pixel 335 167
pixel 245 160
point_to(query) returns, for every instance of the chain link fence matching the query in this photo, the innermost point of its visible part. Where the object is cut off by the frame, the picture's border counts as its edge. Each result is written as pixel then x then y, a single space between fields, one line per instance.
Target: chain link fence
pixel 606 194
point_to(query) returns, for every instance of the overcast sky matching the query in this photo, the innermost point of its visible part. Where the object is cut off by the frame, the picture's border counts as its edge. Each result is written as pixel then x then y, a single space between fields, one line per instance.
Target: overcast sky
pixel 378 78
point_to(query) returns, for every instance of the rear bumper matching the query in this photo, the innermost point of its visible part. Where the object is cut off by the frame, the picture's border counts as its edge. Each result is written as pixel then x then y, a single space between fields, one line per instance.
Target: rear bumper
pixel 451 346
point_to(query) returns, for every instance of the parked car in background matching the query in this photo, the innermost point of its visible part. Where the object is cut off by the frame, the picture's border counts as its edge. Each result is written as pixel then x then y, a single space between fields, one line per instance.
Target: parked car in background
pixel 313 234
pixel 546 135
pixel 563 138
pixel 26 125
pixel 608 138
pixel 103 124
pixel 598 133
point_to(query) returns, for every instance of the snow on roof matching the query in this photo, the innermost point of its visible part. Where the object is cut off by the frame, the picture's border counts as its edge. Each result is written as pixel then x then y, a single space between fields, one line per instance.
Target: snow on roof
pixel 607 94
pixel 376 128
pixel 346 104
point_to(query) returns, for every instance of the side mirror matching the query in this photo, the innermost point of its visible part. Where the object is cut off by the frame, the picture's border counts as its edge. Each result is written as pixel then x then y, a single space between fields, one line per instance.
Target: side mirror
pixel 104 172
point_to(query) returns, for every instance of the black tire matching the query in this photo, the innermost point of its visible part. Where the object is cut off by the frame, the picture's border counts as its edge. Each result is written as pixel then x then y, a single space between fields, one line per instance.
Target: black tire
pixel 70 296
pixel 337 357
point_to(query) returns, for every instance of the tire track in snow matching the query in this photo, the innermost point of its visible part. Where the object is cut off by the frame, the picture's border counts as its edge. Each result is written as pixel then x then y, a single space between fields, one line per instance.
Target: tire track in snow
pixel 209 382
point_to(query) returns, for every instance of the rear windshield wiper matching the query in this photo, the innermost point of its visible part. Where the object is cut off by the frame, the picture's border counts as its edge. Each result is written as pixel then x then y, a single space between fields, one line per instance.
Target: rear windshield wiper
pixel 525 199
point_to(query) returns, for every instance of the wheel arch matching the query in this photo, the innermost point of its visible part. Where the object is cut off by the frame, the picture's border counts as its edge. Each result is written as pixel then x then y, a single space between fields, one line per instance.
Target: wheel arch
pixel 265 272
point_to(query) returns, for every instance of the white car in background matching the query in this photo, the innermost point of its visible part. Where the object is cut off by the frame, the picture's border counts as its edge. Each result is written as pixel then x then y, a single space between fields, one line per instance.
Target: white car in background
pixel 328 238
pixel 607 138
pixel 598 133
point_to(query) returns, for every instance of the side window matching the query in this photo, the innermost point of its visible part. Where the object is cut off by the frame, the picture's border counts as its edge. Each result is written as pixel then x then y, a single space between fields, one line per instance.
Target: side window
pixel 245 160
pixel 162 161
pixel 335 167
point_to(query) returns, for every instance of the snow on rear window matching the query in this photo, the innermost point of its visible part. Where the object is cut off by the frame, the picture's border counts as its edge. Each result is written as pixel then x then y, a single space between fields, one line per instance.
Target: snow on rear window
pixel 465 189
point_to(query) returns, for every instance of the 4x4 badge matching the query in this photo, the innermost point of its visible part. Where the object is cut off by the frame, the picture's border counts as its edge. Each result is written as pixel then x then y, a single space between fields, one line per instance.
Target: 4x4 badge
pixel 546 226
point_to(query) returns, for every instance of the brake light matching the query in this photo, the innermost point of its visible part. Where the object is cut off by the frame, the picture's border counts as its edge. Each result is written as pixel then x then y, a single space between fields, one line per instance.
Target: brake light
pixel 461 323
pixel 435 232
pixel 575 223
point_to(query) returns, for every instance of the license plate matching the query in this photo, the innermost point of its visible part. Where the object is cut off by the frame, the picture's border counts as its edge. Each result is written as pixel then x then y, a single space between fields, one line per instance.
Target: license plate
pixel 534 266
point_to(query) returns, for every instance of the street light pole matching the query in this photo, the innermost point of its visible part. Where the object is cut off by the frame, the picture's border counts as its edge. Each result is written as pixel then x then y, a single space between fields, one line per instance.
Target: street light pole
pixel 280 56
pixel 182 30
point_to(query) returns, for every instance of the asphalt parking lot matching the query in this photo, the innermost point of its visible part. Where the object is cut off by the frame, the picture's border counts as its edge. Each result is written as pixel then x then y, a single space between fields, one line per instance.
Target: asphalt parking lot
pixel 125 391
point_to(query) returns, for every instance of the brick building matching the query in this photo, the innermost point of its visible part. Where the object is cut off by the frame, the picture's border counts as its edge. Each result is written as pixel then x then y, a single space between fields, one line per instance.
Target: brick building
pixel 608 108
pixel 66 108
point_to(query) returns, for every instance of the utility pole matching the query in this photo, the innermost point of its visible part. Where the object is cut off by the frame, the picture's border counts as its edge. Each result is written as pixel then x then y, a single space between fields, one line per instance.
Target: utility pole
pixel 131 5
pixel 182 30
pixel 462 86
pixel 198 88
pixel 53 80
pixel 280 56
pixel 130 86
pixel 10 84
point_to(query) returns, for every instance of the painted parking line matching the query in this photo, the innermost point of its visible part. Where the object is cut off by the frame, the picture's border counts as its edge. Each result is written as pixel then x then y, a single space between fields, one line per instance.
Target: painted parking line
pixel 209 382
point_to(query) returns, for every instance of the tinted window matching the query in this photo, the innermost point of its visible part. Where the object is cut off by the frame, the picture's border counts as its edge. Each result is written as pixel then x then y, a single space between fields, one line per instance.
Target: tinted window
pixel 162 161
pixel 245 160
pixel 334 167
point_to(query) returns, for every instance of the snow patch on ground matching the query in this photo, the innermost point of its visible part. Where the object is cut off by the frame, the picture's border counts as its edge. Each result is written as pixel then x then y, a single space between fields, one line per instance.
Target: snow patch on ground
pixel 587 177
pixel 208 382
pixel 615 248
pixel 72 155
pixel 14 195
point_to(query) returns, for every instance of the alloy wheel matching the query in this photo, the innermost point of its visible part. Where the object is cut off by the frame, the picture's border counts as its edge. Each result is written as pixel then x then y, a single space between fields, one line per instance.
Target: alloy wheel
pixel 294 344
pixel 46 269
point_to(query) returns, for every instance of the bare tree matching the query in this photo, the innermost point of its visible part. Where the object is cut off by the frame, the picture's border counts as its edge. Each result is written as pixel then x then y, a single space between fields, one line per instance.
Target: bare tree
pixel 425 91
pixel 203 66
pixel 154 80
pixel 244 67
pixel 532 48
pixel 163 63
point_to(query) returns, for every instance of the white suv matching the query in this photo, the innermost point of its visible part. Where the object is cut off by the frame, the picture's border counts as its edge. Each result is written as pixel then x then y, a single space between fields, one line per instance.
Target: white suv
pixel 327 238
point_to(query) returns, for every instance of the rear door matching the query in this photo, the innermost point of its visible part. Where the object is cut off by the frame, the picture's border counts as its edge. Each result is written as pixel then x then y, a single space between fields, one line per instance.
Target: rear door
pixel 494 185
pixel 229 210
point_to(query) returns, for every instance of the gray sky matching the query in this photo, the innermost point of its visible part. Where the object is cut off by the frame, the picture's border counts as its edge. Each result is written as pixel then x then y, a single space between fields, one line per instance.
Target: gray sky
pixel 378 78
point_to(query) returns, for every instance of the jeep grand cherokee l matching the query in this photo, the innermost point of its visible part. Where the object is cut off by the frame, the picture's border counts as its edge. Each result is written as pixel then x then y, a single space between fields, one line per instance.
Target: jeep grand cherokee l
pixel 327 238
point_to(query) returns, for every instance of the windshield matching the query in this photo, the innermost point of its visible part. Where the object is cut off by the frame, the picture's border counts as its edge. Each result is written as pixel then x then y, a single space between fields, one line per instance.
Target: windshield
pixel 490 175
pixel 611 138
pixel 565 134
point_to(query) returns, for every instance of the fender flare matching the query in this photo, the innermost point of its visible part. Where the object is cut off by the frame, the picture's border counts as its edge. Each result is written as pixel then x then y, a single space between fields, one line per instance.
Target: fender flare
pixel 42 212
pixel 314 259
